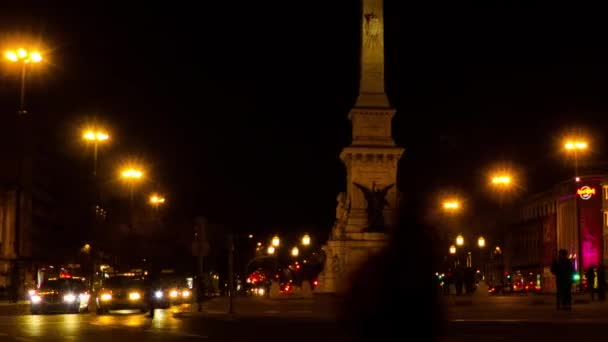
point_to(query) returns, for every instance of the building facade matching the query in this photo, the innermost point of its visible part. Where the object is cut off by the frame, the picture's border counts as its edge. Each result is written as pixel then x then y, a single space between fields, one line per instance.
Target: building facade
pixel 572 215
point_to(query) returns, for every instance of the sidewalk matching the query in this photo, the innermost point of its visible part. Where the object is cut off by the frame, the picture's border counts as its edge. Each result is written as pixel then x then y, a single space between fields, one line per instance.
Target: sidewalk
pixel 7 303
pixel 315 308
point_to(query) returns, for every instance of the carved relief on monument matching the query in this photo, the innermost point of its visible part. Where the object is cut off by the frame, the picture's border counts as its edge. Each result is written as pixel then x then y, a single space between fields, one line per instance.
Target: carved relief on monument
pixel 342 213
pixel 372 29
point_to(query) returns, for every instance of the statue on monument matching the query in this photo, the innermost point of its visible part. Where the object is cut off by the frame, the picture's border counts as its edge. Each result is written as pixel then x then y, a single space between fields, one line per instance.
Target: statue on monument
pixel 373 28
pixel 376 202
pixel 342 210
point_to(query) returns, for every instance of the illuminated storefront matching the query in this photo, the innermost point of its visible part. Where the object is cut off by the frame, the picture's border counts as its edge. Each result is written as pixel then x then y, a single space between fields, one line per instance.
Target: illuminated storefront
pixel 572 216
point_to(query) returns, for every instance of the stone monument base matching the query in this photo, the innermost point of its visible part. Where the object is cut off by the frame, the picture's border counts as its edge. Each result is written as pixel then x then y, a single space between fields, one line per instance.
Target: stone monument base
pixel 343 257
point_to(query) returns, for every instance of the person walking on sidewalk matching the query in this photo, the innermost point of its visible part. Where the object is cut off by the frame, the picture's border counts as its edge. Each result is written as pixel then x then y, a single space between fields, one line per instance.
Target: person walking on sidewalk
pixel 601 282
pixel 590 276
pixel 563 270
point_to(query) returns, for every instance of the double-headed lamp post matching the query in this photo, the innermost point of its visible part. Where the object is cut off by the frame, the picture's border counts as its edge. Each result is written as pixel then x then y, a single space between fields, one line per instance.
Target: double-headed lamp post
pixel 156 200
pixel 95 136
pixel 131 175
pixel 576 145
pixel 24 58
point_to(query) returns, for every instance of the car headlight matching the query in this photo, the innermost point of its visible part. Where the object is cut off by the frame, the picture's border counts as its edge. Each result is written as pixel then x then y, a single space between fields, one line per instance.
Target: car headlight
pixel 84 297
pixel 106 297
pixel 186 294
pixel 173 294
pixel 36 299
pixel 134 296
pixel 69 298
pixel 158 294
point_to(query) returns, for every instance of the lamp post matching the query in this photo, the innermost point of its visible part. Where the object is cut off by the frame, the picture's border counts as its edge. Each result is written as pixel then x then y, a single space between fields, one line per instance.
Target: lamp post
pixel 131 175
pixel 306 240
pixel 95 136
pixel 24 59
pixel 295 251
pixel 576 146
pixel 156 200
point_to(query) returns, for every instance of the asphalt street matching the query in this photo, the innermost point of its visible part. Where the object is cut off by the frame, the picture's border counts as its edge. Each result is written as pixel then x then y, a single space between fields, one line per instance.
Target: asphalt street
pixel 479 319
pixel 176 324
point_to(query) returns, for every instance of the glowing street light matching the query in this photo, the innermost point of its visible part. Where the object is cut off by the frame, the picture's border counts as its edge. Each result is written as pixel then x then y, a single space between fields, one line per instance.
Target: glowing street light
pixel 156 200
pixel 25 58
pixel 451 205
pixel 131 174
pixel 276 241
pixel 452 249
pixel 271 250
pixel 576 144
pixel 501 180
pixel 459 240
pixel 295 251
pixel 95 136
pixel 306 240
pixel 481 242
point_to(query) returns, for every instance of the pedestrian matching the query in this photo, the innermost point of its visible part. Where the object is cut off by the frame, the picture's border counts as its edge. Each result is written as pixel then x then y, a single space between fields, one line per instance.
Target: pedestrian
pixel 152 285
pixel 563 270
pixel 590 276
pixel 601 282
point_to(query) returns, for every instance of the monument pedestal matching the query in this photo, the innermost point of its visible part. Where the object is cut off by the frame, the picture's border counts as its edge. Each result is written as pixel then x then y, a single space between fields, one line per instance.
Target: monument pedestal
pixel 344 257
pixel 367 211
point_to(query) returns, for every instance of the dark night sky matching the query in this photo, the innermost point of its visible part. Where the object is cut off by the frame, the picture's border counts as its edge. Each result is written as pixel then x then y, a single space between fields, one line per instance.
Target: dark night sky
pixel 240 109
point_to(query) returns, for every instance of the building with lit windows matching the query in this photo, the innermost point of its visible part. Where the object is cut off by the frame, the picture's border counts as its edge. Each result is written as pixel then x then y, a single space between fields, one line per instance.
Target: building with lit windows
pixel 572 215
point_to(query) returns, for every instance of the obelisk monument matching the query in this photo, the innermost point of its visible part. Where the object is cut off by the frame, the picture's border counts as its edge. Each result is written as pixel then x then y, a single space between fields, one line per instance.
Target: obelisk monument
pixel 367 210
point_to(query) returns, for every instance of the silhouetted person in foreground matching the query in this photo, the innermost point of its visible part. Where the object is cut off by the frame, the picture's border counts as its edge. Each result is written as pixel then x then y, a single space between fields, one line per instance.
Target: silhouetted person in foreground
pixel 590 276
pixel 399 282
pixel 601 282
pixel 563 270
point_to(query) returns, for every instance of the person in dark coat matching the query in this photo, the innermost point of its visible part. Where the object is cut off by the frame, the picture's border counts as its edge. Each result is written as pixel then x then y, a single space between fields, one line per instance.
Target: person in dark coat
pixel 563 270
pixel 152 285
pixel 590 276
pixel 601 282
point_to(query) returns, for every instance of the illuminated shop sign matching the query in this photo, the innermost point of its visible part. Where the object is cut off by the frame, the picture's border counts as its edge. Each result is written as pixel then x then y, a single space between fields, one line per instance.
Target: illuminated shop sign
pixel 585 192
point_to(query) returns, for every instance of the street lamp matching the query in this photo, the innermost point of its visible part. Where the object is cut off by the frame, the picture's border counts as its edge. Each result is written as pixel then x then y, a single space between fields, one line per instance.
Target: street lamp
pixel 131 175
pixel 576 145
pixel 156 200
pixel 452 249
pixel 306 240
pixel 276 241
pixel 502 180
pixel 95 136
pixel 25 58
pixel 295 252
pixel 459 240
pixel 451 205
pixel 481 242
pixel 271 250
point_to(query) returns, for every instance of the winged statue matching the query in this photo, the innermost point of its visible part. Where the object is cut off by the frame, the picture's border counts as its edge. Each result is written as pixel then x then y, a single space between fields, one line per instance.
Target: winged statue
pixel 376 202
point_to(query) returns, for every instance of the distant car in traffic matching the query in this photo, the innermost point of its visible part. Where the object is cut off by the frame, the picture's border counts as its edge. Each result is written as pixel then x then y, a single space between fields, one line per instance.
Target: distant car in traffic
pixel 122 292
pixel 60 295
